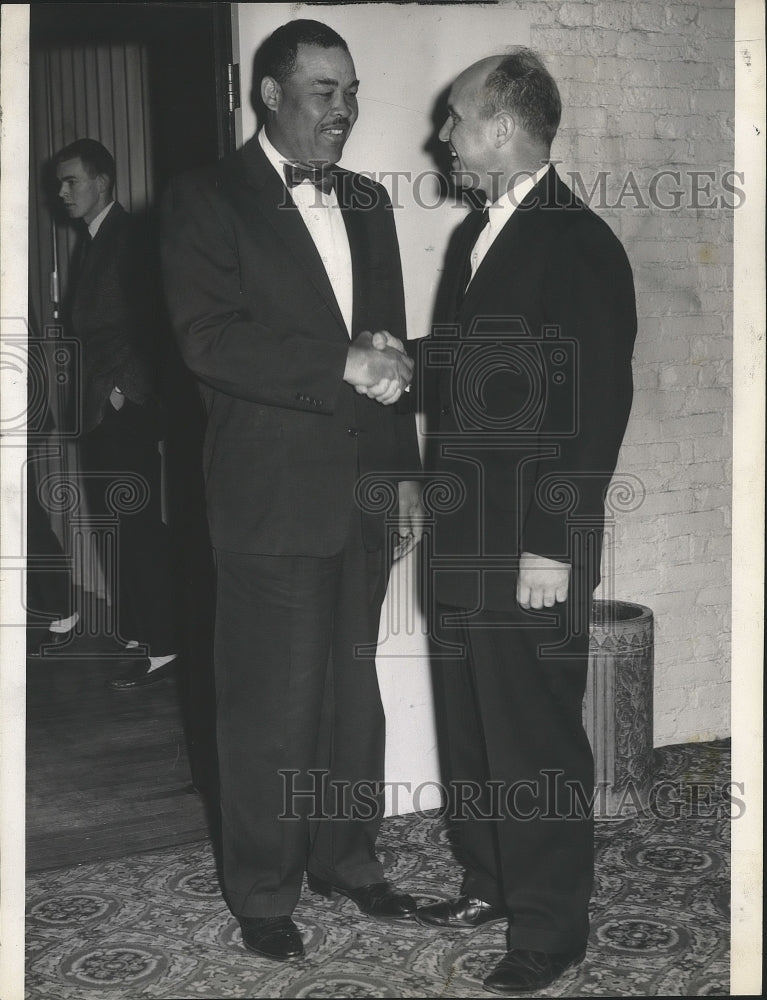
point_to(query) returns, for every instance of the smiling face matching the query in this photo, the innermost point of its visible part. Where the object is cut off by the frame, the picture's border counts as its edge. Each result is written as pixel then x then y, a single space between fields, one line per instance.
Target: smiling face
pixel 315 108
pixel 471 137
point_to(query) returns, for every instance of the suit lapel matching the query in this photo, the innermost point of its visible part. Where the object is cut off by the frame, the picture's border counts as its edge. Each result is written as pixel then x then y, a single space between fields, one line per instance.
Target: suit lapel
pixel 509 247
pixel 278 208
pixel 358 246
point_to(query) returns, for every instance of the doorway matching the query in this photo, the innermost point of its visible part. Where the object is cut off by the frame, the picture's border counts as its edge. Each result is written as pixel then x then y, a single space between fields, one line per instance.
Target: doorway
pixel 155 84
pixel 149 81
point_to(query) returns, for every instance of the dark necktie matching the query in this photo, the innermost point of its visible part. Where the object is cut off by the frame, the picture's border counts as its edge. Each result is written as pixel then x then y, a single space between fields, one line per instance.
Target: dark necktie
pixel 82 252
pixel 295 173
pixel 477 222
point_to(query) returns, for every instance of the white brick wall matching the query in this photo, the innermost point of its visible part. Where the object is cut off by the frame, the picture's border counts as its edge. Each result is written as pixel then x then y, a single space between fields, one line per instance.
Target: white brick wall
pixel 649 87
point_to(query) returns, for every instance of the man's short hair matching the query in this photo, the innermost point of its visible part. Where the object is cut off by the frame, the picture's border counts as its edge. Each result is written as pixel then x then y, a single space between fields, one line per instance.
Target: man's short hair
pixel 523 86
pixel 96 159
pixel 278 55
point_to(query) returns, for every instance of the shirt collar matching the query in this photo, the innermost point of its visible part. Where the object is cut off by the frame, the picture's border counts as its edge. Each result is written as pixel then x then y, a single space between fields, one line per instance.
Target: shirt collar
pixel 276 158
pixel 94 224
pixel 278 161
pixel 502 209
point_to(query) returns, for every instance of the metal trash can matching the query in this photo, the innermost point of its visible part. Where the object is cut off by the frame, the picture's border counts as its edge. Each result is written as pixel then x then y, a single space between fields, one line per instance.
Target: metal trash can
pixel 618 706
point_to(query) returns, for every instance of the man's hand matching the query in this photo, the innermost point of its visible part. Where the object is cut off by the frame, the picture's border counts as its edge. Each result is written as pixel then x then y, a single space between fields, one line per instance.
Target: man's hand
pixel 386 371
pixel 382 339
pixel 116 398
pixel 410 518
pixel 383 391
pixel 542 582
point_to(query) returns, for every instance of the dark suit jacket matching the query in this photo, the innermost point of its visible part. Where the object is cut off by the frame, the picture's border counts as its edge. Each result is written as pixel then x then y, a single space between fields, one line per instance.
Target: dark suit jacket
pixel 257 321
pixel 533 373
pixel 112 316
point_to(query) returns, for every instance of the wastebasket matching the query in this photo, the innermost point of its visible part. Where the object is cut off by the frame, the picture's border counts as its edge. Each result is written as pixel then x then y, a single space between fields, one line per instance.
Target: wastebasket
pixel 618 706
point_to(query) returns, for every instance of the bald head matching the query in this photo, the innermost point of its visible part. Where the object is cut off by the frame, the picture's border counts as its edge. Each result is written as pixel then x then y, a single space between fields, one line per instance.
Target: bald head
pixel 503 113
pixel 474 77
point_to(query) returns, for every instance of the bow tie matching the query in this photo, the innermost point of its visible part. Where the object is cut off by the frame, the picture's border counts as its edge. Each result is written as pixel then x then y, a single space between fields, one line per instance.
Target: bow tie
pixel 321 178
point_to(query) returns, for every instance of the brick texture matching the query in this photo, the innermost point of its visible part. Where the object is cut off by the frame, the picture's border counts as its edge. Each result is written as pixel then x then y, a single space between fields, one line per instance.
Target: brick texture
pixel 648 87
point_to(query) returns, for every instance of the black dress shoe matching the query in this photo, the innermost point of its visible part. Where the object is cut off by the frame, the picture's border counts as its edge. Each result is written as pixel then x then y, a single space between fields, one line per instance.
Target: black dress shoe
pixel 523 971
pixel 58 638
pixel 140 675
pixel 272 937
pixel 53 635
pixel 379 899
pixel 50 641
pixel 463 911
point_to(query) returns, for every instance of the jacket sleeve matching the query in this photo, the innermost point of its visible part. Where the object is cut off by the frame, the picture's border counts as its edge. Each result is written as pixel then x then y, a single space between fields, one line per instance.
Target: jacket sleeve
pixel 220 338
pixel 590 298
pixel 139 368
pixel 404 416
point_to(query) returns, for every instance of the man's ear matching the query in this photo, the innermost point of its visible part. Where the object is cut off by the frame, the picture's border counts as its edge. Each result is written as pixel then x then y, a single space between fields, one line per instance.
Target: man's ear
pixel 102 182
pixel 505 127
pixel 271 92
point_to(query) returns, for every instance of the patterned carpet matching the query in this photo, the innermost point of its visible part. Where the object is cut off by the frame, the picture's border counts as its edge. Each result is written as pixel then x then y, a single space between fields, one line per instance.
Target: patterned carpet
pixel 154 925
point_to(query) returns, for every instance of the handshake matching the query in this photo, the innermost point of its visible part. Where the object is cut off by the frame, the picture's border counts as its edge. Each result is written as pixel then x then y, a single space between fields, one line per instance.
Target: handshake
pixel 378 367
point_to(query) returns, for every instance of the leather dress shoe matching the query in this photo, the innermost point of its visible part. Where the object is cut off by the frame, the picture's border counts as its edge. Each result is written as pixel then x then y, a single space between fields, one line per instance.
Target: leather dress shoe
pixel 379 899
pixel 272 937
pixel 140 675
pixel 523 971
pixel 48 642
pixel 463 911
pixel 51 640
pixel 58 638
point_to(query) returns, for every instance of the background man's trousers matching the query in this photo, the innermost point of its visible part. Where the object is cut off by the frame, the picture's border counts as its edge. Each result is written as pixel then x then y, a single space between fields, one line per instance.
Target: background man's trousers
pixel 292 696
pixel 124 446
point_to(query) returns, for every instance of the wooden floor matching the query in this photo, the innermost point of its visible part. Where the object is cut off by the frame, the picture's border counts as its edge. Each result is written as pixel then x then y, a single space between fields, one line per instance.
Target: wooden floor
pixel 108 772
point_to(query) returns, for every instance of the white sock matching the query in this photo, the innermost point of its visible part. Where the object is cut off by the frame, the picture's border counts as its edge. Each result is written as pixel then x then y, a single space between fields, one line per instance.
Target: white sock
pixel 64 624
pixel 160 661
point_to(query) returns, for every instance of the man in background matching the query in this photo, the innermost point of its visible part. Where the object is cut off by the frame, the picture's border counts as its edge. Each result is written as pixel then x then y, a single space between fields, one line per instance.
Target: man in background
pixel 113 314
pixel 278 267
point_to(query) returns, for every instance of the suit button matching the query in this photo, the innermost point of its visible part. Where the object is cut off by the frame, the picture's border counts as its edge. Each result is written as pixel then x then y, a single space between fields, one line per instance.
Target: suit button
pixel 352 432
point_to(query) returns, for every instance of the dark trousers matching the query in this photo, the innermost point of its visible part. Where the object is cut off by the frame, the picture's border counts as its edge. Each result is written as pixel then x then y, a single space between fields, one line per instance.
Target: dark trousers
pixel 298 705
pixel 49 587
pixel 520 769
pixel 121 470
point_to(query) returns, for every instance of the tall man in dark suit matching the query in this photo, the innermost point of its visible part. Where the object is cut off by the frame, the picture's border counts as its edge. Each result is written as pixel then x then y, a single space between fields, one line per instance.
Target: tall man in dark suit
pixel 113 314
pixel 532 357
pixel 274 286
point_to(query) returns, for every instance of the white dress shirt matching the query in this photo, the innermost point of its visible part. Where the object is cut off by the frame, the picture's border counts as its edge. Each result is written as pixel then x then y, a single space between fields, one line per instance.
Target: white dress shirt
pixel 499 214
pixel 94 224
pixel 322 215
